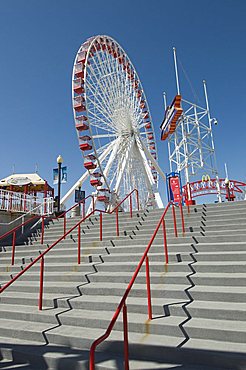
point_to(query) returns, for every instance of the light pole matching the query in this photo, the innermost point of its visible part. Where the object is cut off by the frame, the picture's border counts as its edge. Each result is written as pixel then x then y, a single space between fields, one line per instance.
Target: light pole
pixel 59 162
pixel 79 208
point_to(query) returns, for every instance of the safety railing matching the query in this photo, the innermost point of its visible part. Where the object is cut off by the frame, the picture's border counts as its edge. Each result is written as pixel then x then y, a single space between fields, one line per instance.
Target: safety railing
pixel 122 305
pixel 18 202
pixel 64 214
pixel 21 228
pixel 77 227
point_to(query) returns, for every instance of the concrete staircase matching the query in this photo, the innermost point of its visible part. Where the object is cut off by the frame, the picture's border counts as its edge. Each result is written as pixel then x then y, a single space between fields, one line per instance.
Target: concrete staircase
pixel 199 299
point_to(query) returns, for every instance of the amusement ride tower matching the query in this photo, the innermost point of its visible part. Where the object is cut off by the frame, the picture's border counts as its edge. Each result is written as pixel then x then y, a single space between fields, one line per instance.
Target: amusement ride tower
pixel 187 127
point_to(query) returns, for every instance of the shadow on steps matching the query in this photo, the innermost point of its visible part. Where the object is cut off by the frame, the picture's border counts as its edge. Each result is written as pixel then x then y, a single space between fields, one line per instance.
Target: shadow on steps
pixel 142 357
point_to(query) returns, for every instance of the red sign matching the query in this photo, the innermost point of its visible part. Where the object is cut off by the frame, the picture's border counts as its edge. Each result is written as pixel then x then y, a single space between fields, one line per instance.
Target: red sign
pixel 175 188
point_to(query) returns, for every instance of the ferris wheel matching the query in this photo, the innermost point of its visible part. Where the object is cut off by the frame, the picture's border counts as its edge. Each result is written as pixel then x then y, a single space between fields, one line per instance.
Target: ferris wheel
pixel 113 124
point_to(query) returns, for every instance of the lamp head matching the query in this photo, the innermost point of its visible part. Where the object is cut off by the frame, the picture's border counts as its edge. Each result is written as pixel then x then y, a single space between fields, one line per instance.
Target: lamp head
pixel 59 159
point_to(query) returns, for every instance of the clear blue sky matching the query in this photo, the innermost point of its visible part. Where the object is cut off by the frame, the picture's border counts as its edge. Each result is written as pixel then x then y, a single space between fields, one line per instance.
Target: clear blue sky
pixel 39 40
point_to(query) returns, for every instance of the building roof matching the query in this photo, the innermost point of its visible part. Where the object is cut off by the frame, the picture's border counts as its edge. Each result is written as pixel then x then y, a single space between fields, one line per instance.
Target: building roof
pixel 33 180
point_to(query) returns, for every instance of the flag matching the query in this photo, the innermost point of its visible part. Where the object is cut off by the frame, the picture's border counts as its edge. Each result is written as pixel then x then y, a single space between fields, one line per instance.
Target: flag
pixel 64 175
pixel 55 176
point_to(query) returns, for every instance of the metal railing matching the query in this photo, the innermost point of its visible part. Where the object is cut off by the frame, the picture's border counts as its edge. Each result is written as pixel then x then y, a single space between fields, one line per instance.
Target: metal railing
pixel 46 206
pixel 66 233
pixel 122 305
pixel 19 202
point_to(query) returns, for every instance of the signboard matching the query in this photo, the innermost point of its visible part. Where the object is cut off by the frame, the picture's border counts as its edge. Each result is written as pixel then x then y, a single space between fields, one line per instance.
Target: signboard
pixel 175 190
pixel 79 195
pixel 19 181
pixel 63 175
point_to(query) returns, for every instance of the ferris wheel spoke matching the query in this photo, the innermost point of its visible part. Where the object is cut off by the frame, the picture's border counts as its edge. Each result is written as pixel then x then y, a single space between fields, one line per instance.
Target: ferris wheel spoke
pixel 100 88
pixel 97 98
pixel 105 77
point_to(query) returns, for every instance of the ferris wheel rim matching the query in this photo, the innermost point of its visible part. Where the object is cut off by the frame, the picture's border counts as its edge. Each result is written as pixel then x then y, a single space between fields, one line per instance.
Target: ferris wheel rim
pixel 91 42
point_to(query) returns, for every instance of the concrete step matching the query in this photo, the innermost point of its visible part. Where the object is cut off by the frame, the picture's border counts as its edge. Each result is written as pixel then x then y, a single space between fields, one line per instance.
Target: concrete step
pixel 221 256
pixel 31 330
pixel 155 267
pixel 81 337
pixel 219 279
pixel 218 293
pixel 49 287
pixel 216 310
pixel 137 322
pixel 29 313
pixel 210 329
pixel 220 267
pixel 138 290
pixel 125 277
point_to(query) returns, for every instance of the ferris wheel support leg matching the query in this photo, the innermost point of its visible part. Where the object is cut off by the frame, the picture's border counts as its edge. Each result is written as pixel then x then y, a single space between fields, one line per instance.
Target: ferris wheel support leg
pixel 150 179
pixel 154 162
pixel 159 200
pixel 122 168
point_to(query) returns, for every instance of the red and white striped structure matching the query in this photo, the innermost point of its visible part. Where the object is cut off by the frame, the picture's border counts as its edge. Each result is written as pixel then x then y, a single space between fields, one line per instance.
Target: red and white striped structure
pixel 113 124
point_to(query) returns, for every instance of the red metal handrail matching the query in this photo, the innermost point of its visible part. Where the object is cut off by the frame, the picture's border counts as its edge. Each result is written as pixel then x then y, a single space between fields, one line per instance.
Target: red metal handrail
pixel 63 215
pixel 122 304
pixel 13 231
pixel 41 256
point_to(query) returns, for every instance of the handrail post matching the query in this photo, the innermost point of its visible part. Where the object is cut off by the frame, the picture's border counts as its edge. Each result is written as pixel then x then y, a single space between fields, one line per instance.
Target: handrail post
pixel 79 244
pixel 64 224
pixel 131 206
pixel 41 284
pixel 148 288
pixel 174 221
pixel 137 199
pixel 165 240
pixel 13 248
pixel 42 231
pixel 188 207
pixel 182 217
pixel 117 221
pixel 100 226
pixel 83 216
pixel 125 326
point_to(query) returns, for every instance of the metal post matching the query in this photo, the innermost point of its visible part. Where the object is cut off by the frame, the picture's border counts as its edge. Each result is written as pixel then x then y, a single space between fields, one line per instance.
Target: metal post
pixel 148 288
pixel 41 284
pixel 59 188
pixel 212 141
pixel 79 243
pixel 100 226
pixel 176 70
pixel 13 248
pixel 137 198
pixel 42 231
pixel 23 226
pixel 64 224
pixel 117 222
pixel 182 218
pixel 83 209
pixel 131 206
pixel 125 326
pixel 165 240
pixel 174 221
